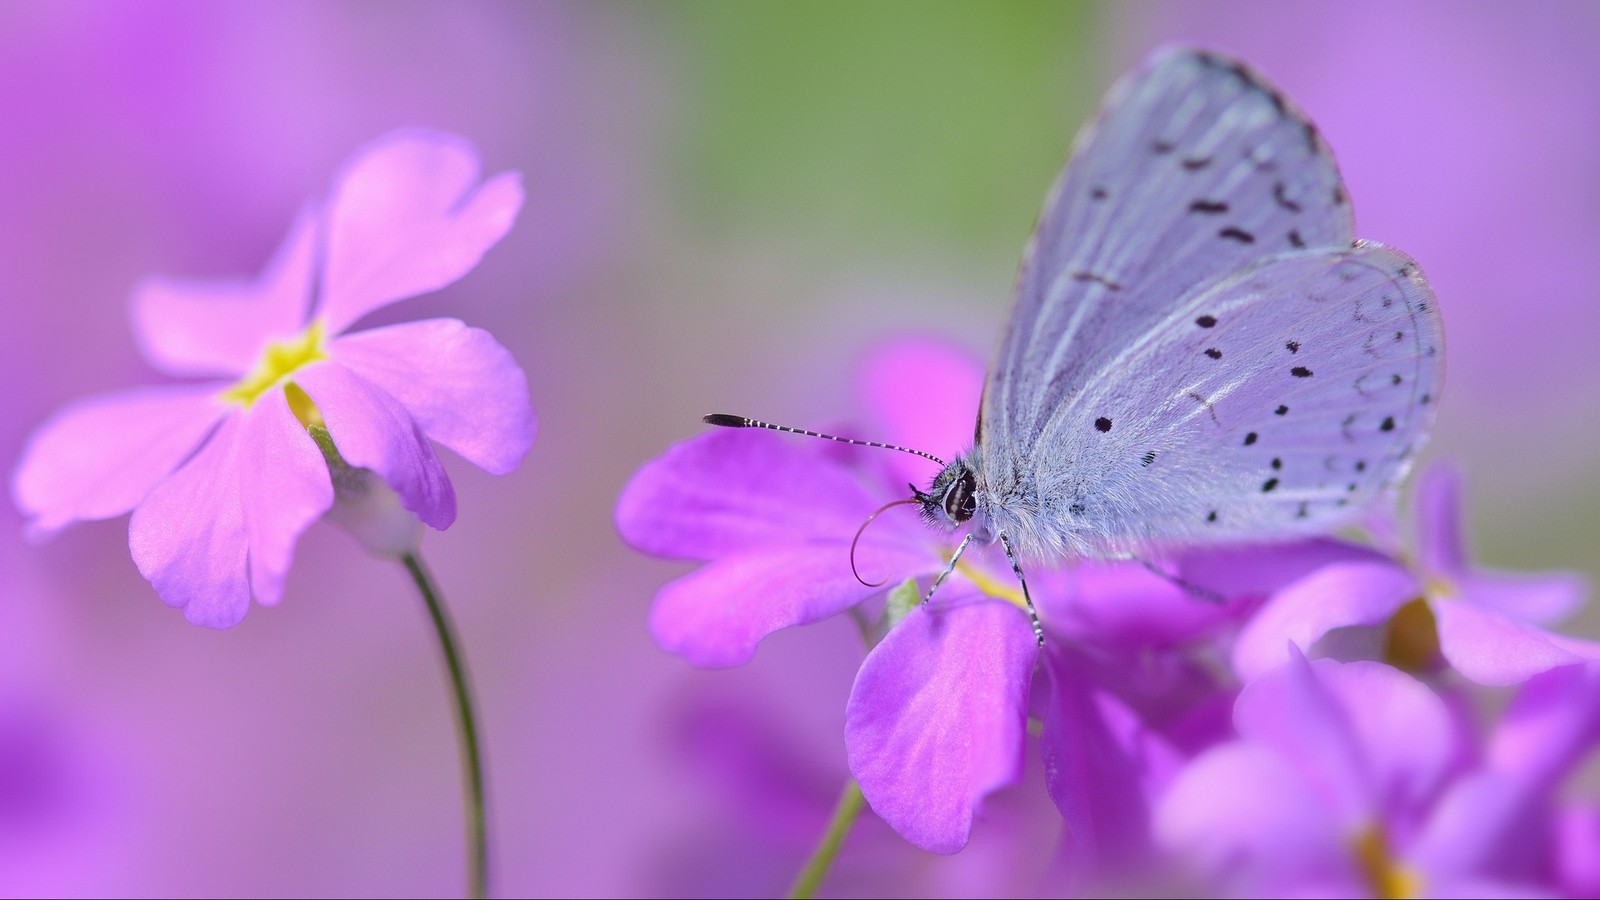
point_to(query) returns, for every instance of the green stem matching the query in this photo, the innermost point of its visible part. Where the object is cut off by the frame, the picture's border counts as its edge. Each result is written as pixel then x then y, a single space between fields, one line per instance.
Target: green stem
pixel 844 816
pixel 471 761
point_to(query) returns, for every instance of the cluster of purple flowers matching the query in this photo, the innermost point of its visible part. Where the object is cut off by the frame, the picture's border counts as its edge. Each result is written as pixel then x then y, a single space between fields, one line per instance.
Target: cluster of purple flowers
pixel 1324 731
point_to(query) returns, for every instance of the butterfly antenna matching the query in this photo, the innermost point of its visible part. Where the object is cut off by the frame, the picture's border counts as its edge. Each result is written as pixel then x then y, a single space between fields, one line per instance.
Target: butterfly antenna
pixel 727 421
pixel 857 538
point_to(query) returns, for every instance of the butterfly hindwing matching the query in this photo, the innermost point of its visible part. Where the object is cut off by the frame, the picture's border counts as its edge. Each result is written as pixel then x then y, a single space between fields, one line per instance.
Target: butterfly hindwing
pixel 1278 401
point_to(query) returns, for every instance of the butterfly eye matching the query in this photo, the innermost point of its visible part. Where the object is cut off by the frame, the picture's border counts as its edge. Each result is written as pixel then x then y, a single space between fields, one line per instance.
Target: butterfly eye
pixel 961 501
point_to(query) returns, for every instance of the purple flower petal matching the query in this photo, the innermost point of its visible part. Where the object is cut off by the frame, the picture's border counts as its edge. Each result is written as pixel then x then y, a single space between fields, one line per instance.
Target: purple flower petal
pixel 408 216
pixel 220 327
pixel 100 456
pixel 715 615
pixel 1346 593
pixel 914 388
pixel 1405 738
pixel 284 487
pixel 1102 764
pixel 1578 851
pixel 1242 813
pixel 1127 605
pixel 937 717
pixel 1297 711
pixel 188 537
pixel 1440 544
pixel 373 431
pixel 726 491
pixel 468 393
pixel 1252 570
pixel 1489 648
pixel 1327 752
pixel 1537 599
pixel 1553 723
pixel 1485 824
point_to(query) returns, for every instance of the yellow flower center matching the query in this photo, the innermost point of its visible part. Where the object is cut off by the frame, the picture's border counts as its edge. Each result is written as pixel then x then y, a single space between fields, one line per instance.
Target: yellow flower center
pixel 1412 641
pixel 994 587
pixel 278 361
pixel 1388 877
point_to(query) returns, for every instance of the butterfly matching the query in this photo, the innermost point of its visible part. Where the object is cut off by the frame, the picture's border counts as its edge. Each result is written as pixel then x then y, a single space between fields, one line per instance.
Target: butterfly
pixel 1199 350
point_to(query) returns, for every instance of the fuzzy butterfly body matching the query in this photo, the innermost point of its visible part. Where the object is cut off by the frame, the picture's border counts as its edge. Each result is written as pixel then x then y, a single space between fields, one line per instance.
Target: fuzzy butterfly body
pixel 1199 350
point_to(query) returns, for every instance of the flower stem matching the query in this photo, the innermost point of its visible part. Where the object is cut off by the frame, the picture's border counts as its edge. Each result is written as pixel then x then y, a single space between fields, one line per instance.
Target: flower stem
pixel 471 761
pixel 844 816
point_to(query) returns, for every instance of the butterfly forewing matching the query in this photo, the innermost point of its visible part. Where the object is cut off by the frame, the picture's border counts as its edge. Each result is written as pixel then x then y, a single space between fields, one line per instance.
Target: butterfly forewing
pixel 1195 168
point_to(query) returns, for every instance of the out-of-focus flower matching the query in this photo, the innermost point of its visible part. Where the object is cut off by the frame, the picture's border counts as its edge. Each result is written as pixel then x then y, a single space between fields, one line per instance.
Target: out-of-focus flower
pixel 937 716
pixel 223 476
pixel 1487 625
pixel 1354 779
pixel 1135 690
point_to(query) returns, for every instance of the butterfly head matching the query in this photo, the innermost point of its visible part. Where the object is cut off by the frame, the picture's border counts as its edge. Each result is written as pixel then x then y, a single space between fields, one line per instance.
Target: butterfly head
pixel 952 499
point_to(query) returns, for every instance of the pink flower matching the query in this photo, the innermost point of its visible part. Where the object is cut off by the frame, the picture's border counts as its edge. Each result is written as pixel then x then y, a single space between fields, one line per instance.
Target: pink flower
pixel 938 713
pixel 1355 779
pixel 224 475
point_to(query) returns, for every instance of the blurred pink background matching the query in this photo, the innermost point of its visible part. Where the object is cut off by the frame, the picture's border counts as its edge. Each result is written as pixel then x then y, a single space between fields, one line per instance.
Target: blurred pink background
pixel 727 208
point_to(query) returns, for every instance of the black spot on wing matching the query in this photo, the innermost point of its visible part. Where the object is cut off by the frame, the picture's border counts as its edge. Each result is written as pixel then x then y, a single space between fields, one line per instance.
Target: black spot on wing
pixel 1282 198
pixel 1210 407
pixel 1097 278
pixel 1237 234
pixel 1206 321
pixel 1300 372
pixel 1102 424
pixel 1208 207
pixel 1214 353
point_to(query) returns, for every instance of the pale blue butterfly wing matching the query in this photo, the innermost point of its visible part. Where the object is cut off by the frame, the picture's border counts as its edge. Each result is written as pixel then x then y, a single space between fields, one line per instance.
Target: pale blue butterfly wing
pixel 1117 412
pixel 1277 401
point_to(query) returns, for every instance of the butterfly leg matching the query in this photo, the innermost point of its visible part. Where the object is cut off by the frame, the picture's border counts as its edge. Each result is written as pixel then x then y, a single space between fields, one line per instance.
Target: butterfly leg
pixel 1190 587
pixel 1033 614
pixel 948 568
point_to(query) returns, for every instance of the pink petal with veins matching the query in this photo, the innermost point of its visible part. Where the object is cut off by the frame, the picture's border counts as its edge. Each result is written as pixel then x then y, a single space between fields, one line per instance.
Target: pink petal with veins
pixel 99 457
pixel 468 393
pixel 408 216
